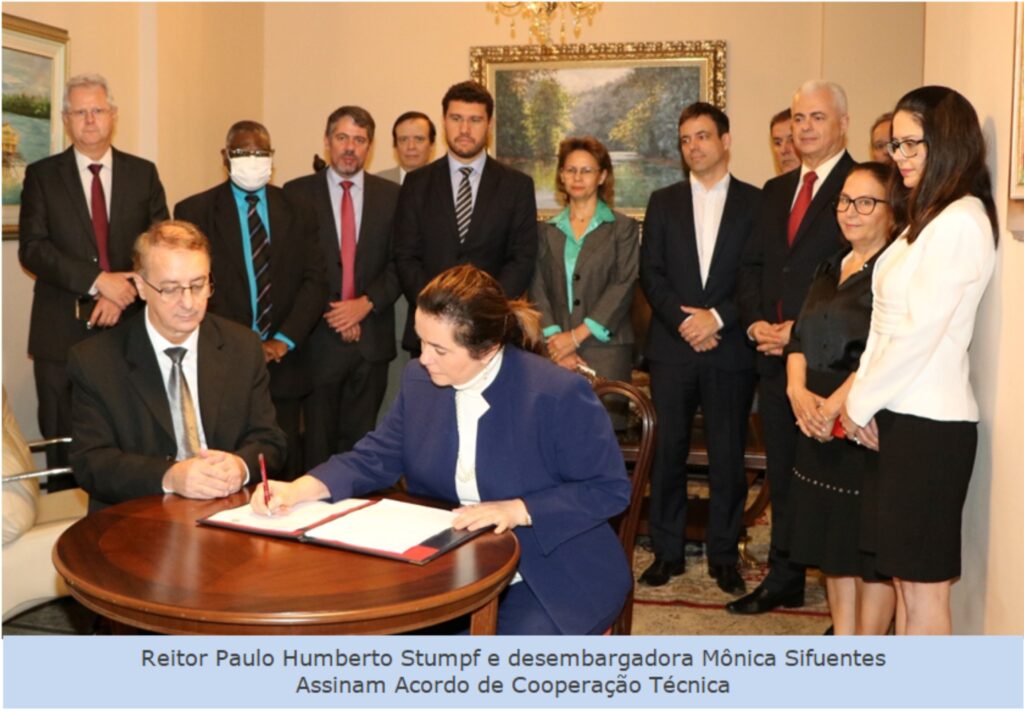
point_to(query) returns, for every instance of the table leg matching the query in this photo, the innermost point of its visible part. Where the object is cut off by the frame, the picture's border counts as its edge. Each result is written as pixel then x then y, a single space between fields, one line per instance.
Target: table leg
pixel 484 620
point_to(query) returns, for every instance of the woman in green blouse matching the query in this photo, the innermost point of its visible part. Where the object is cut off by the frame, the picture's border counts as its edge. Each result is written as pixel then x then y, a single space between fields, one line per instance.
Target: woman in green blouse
pixel 587 266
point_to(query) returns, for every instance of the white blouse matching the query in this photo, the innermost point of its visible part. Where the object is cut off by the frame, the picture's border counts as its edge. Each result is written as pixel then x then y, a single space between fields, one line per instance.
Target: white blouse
pixel 926 297
pixel 470 406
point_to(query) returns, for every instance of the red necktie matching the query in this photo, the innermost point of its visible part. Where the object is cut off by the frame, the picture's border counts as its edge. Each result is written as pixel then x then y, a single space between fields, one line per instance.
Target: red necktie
pixel 803 200
pixel 99 216
pixel 348 243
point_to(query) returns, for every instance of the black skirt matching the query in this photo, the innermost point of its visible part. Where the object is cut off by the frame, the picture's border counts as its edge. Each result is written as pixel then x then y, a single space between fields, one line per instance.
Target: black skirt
pixel 913 517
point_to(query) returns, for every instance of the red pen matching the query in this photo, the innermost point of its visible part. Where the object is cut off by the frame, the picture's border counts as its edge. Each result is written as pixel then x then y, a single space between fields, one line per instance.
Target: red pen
pixel 266 485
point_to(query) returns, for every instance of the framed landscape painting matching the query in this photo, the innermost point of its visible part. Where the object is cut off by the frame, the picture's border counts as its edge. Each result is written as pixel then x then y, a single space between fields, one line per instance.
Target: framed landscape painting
pixel 627 95
pixel 35 66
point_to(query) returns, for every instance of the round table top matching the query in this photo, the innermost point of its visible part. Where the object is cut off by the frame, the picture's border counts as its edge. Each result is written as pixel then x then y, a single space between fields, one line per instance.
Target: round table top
pixel 146 563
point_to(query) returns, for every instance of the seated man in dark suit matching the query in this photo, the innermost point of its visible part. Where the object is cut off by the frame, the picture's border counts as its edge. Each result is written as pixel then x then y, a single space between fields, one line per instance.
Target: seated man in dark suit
pixel 465 208
pixel 266 265
pixel 172 400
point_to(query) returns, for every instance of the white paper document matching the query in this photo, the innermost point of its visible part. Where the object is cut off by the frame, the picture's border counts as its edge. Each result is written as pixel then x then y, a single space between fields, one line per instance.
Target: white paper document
pixel 301 516
pixel 387 525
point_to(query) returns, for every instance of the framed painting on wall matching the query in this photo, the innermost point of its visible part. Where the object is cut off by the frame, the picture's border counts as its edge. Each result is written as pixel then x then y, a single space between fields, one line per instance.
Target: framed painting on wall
pixel 1016 143
pixel 35 64
pixel 627 95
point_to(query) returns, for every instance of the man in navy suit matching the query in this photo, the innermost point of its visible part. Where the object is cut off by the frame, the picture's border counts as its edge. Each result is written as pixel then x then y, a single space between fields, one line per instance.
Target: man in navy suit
pixel 795 231
pixel 81 211
pixel 465 208
pixel 694 234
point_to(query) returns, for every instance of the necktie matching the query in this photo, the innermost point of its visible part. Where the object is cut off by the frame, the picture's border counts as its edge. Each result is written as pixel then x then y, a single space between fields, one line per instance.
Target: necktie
pixel 100 225
pixel 183 411
pixel 348 242
pixel 260 245
pixel 464 203
pixel 803 200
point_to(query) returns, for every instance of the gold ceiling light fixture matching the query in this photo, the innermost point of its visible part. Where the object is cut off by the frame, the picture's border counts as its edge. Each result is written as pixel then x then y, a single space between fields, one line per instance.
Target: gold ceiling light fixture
pixel 540 15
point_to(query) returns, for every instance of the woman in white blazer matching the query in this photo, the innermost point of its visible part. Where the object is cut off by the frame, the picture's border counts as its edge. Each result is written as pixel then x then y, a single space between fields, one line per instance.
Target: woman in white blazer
pixel 912 399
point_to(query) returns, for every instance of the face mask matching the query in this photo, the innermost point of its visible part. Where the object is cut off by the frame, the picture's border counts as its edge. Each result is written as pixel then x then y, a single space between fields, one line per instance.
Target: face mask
pixel 251 172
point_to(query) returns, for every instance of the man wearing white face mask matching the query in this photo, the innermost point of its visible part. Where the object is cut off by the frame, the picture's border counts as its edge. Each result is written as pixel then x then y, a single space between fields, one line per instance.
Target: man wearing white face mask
pixel 265 267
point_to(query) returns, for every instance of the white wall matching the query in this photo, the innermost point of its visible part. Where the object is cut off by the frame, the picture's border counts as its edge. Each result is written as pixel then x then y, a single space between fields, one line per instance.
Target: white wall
pixel 987 599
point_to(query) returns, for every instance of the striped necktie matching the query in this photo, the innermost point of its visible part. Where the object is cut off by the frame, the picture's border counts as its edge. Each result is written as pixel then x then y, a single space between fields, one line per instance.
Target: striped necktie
pixel 464 203
pixel 260 245
pixel 183 410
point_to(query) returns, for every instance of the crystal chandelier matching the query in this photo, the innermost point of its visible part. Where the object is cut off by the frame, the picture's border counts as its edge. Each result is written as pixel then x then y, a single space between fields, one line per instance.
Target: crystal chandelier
pixel 539 16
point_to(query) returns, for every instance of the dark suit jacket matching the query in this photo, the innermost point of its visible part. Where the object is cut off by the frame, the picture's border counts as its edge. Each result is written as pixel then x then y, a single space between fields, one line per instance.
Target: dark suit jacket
pixel 58 245
pixel 547 439
pixel 121 420
pixel 772 271
pixel 297 284
pixel 670 273
pixel 375 270
pixel 502 238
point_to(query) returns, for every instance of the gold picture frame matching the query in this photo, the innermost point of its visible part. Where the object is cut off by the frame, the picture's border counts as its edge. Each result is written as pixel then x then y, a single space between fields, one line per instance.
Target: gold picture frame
pixel 1016 142
pixel 35 59
pixel 628 95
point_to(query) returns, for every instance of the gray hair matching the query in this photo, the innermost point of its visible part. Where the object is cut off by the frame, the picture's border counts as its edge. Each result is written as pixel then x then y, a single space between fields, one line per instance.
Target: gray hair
pixel 87 80
pixel 836 91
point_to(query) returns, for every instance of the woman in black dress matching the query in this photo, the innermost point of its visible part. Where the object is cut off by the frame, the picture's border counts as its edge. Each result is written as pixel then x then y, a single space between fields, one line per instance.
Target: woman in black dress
pixel 830 473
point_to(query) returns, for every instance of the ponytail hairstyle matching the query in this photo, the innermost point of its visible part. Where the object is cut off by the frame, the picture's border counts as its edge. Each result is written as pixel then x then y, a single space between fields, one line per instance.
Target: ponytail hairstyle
pixel 955 164
pixel 474 303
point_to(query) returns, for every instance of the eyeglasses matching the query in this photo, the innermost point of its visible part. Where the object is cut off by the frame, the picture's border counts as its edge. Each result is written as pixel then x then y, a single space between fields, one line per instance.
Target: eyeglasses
pixel 247 153
pixel 906 146
pixel 864 205
pixel 172 295
pixel 95 113
pixel 573 171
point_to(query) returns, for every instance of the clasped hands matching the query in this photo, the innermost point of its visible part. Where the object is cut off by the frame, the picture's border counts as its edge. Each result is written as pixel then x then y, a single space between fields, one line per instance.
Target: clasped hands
pixel 345 316
pixel 210 474
pixel 699 329
pixel 866 436
pixel 562 350
pixel 771 338
pixel 115 292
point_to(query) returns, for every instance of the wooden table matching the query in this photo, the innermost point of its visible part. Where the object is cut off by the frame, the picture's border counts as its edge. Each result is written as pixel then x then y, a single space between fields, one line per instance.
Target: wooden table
pixel 146 564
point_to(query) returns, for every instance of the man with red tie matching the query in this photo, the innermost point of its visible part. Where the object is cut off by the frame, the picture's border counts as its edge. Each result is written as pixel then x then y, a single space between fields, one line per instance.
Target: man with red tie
pixel 81 211
pixel 350 347
pixel 795 231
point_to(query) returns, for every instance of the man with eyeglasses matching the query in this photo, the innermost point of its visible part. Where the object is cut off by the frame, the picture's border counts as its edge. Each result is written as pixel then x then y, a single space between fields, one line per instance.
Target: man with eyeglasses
pixel 268 271
pixel 694 234
pixel 80 212
pixel 412 136
pixel 174 400
pixel 350 347
pixel 795 231
pixel 465 208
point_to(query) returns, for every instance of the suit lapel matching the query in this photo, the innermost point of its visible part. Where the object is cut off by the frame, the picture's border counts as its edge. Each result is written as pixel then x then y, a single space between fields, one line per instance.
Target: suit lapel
pixel 228 228
pixel 145 376
pixel 280 214
pixel 119 180
pixel 558 254
pixel 368 225
pixel 212 374
pixel 73 184
pixel 822 199
pixel 688 230
pixel 725 226
pixel 486 195
pixel 442 197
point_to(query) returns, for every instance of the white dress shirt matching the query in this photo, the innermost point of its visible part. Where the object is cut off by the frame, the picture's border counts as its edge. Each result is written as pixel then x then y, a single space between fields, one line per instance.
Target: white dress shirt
pixel 189 369
pixel 926 297
pixel 454 167
pixel 708 204
pixel 106 176
pixel 821 171
pixel 334 180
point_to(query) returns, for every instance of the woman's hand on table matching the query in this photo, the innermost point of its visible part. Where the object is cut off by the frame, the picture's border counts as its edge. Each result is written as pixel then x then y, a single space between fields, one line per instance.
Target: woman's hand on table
pixel 285 495
pixel 504 514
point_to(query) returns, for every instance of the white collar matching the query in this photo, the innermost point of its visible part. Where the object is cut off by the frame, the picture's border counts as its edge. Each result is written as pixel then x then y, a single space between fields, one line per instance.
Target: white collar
pixel 480 382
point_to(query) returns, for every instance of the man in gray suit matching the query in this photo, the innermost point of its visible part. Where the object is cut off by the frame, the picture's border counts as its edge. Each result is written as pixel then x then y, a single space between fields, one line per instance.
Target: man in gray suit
pixel 351 345
pixel 412 135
